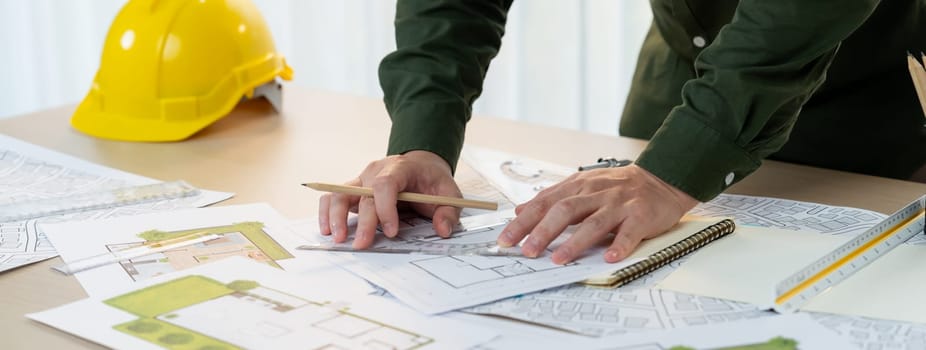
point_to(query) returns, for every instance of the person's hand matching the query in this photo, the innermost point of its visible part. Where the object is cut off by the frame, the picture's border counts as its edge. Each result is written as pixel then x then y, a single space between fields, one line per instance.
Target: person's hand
pixel 415 171
pixel 629 202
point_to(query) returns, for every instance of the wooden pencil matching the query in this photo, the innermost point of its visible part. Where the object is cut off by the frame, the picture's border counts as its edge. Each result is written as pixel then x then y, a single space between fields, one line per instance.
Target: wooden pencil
pixel 405 196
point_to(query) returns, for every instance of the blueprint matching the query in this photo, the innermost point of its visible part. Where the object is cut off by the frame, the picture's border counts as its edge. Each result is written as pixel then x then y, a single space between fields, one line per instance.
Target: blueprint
pixel 253 231
pixel 29 172
pixel 790 215
pixel 240 304
pixel 635 307
pixel 439 283
pixel 869 333
pixel 783 332
pixel 435 284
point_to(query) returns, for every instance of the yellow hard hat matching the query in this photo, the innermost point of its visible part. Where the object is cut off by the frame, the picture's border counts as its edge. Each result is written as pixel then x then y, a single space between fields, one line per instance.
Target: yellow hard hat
pixel 172 67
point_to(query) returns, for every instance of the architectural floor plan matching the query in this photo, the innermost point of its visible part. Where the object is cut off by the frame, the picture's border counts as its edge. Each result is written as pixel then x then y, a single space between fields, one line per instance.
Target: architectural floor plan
pixel 463 271
pixel 788 214
pixel 869 333
pixel 781 332
pixel 635 307
pixel 241 304
pixel 253 316
pixel 244 231
pixel 247 239
pixel 436 284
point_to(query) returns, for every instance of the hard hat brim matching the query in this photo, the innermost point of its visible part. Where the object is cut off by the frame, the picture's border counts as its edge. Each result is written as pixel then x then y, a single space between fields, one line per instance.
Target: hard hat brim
pixel 126 128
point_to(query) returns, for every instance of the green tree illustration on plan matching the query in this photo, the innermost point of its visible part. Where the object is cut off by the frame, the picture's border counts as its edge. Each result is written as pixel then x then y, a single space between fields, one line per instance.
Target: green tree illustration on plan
pixel 160 311
pixel 777 343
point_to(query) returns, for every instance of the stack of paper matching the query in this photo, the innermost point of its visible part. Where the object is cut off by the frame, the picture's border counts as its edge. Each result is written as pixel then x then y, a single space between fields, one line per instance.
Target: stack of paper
pixel 251 287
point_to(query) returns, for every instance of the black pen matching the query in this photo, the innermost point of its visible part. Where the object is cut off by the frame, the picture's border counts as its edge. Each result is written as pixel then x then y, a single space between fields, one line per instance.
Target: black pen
pixel 609 162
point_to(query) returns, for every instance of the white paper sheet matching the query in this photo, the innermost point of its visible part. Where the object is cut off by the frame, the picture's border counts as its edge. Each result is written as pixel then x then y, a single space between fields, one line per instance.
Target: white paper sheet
pixel 240 303
pixel 255 231
pixel 632 308
pixel 474 186
pixel 870 333
pixel 746 265
pixel 519 178
pixel 520 335
pixel 790 215
pixel 777 332
pixel 30 172
pixel 435 284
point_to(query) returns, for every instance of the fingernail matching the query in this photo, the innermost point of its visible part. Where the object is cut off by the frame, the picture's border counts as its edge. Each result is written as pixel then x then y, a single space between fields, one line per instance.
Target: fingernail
pixel 388 229
pixel 504 240
pixel 357 238
pixel 530 248
pixel 612 255
pixel 448 227
pixel 562 255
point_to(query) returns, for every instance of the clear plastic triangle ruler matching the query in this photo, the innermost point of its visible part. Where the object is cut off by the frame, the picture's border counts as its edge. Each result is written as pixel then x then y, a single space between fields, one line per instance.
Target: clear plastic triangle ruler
pixel 475 235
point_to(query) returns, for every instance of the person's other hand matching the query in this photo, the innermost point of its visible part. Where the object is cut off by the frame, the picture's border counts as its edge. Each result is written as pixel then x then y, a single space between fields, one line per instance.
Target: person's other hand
pixel 415 171
pixel 629 202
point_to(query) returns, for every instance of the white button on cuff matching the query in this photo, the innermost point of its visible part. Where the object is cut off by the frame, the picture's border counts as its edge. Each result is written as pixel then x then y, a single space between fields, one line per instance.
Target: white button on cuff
pixel 729 179
pixel 698 41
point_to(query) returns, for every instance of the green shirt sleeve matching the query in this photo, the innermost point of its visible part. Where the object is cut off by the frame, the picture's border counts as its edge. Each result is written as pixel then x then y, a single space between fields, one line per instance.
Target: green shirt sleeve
pixel 751 83
pixel 443 50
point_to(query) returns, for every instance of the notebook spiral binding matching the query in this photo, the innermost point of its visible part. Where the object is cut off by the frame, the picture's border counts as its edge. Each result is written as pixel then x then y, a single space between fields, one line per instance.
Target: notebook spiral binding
pixel 672 253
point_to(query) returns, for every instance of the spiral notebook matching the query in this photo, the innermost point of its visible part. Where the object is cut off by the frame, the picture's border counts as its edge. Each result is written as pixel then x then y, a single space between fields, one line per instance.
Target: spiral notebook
pixel 665 256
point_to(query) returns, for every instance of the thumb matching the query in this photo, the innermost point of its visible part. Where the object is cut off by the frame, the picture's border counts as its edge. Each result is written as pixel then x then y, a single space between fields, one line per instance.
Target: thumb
pixel 444 218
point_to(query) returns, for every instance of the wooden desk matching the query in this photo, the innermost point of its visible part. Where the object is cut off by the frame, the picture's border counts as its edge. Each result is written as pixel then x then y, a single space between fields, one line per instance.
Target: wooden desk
pixel 263 157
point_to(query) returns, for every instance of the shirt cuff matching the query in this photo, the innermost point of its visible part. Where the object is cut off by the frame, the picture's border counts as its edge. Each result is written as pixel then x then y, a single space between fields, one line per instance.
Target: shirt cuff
pixel 437 127
pixel 695 158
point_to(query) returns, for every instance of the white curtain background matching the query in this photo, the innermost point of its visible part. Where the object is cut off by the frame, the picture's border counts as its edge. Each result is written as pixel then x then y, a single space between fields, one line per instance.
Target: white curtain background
pixel 562 63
